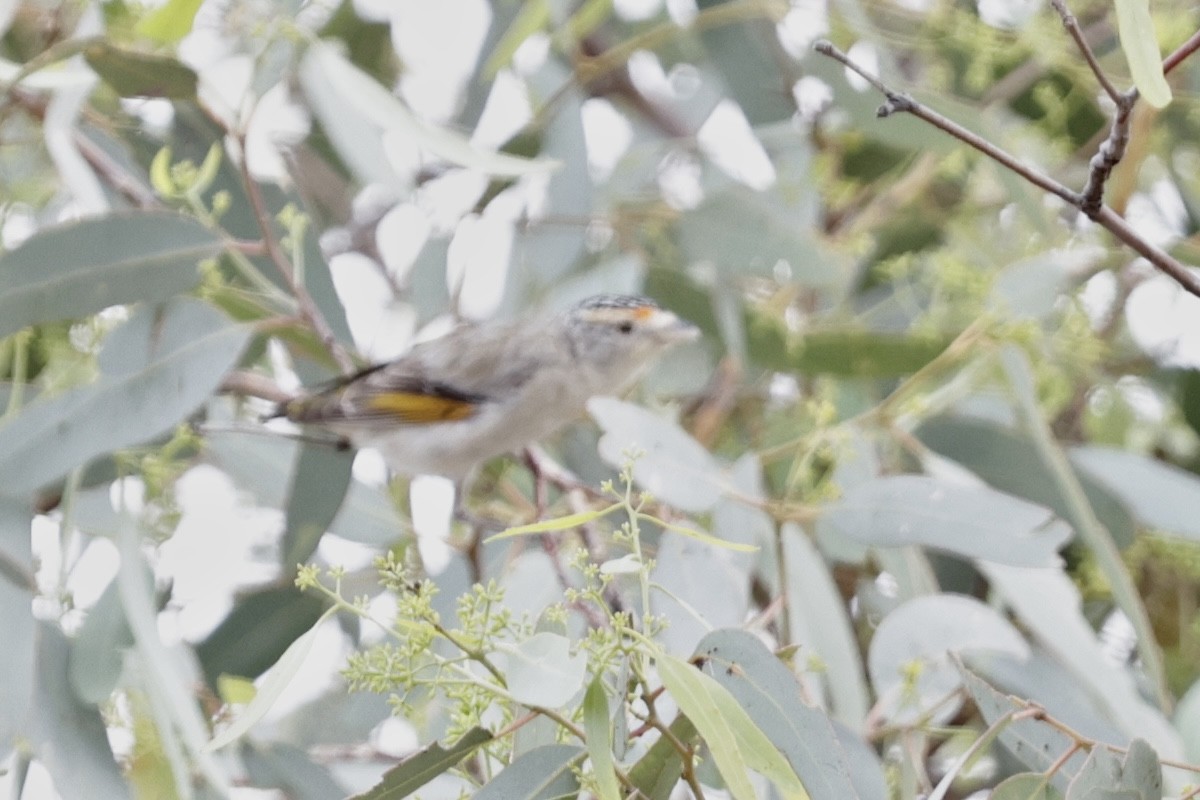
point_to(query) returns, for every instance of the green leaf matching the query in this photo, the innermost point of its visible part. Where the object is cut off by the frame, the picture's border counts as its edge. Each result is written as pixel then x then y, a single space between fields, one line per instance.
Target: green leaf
pixel 841 352
pixel 1159 495
pixel 673 467
pixel 81 268
pixel 533 17
pixel 540 671
pixel 68 735
pixel 1008 461
pixel 18 656
pixel 820 623
pixel 260 465
pixel 155 370
pixel 1135 27
pixel 98 651
pixel 915 639
pixel 290 769
pixel 747 233
pixel 543 773
pixel 423 766
pixel 133 74
pixel 1034 743
pixel 563 523
pixel 170 22
pixel 771 695
pixel 969 521
pixel 337 87
pixel 276 680
pixel 1047 605
pixel 736 743
pixel 255 634
pixel 1026 786
pixel 319 483
pixel 598 726
pixel 658 771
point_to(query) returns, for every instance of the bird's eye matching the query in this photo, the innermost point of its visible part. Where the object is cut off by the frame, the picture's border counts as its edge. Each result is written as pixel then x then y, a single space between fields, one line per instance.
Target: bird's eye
pixel 625 327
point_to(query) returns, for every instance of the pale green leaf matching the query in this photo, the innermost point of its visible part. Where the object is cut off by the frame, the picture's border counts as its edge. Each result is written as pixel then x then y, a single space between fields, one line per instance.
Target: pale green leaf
pixel 597 726
pixel 737 744
pixel 1135 27
pixel 917 636
pixel 423 766
pixel 541 671
pixel 273 684
pixel 83 267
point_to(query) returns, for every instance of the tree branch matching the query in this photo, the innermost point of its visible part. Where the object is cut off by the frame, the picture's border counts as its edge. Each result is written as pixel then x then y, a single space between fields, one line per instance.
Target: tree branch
pixel 898 102
pixel 307 307
pixel 1072 25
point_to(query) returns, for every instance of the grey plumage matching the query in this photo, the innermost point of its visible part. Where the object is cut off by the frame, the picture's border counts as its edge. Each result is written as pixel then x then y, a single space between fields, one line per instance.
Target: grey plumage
pixel 486 389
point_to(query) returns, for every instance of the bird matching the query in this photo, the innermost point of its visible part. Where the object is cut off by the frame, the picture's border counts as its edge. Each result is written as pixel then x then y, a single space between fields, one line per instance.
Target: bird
pixel 483 390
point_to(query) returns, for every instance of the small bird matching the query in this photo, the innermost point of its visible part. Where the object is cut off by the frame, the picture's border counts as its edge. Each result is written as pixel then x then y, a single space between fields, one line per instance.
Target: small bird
pixel 483 390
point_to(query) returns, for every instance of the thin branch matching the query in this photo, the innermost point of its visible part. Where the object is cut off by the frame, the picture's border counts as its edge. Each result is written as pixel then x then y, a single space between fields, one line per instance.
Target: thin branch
pixel 307 307
pixel 1112 149
pixel 898 102
pixel 1181 53
pixel 1102 214
pixel 1072 25
pixel 1107 156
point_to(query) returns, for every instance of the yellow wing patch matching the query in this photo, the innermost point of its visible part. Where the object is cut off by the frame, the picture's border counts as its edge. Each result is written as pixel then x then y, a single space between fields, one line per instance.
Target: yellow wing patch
pixel 415 407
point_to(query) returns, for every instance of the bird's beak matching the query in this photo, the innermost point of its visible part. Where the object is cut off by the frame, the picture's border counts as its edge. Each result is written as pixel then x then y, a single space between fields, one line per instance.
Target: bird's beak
pixel 671 328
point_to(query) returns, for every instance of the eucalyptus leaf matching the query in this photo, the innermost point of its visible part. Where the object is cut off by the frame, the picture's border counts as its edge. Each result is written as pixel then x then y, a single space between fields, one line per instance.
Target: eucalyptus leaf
pixel 1159 495
pixel 909 662
pixel 541 774
pixel 657 772
pixel 673 466
pixel 1034 743
pixel 770 694
pixel 134 74
pixel 18 657
pixel 820 624
pixel 69 736
pixel 422 767
pixel 1025 786
pixel 256 633
pixel 83 267
pixel 748 233
pixel 1008 461
pixel 541 671
pixel 1048 606
pixel 154 373
pixel 98 650
pixel 290 769
pixel 1139 40
pixel 736 742
pixel 598 726
pixel 706 581
pixel 319 483
pixel 272 686
pixel 328 71
pixel 969 521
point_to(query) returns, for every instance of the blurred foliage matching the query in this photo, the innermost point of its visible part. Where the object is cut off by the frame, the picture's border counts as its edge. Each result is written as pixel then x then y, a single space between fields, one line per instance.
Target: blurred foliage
pixel 921 506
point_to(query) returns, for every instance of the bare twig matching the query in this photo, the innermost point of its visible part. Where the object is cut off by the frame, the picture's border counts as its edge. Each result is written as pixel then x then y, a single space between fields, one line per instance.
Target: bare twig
pixel 898 102
pixel 308 308
pixel 1108 155
pixel 1072 25
pixel 252 384
pixel 1181 53
pixel 1112 149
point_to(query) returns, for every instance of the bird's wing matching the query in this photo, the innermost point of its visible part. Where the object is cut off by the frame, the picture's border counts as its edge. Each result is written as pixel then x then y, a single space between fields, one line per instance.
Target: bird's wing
pixel 439 381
